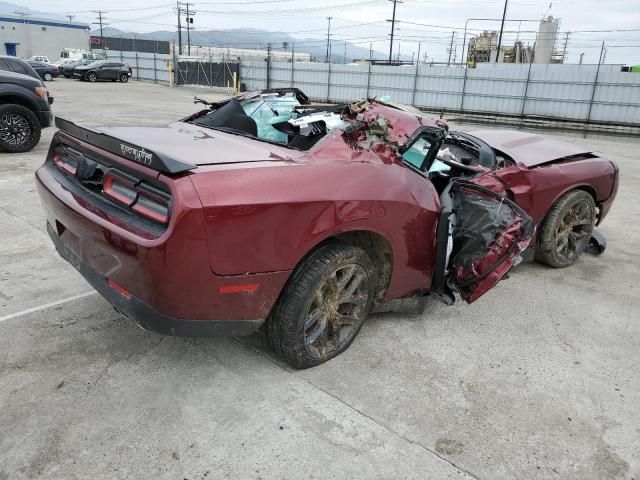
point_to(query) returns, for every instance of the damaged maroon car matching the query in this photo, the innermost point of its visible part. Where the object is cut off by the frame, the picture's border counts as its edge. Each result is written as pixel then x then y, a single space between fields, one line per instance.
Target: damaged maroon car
pixel 266 209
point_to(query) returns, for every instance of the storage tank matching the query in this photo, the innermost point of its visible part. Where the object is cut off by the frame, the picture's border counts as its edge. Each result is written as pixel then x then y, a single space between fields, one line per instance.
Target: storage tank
pixel 546 40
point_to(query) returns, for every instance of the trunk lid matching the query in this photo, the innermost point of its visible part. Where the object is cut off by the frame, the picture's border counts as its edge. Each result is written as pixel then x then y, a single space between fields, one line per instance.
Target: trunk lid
pixel 177 147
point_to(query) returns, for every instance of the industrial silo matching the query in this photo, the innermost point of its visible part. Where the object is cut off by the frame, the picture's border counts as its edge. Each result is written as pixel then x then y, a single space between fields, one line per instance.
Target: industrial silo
pixel 546 40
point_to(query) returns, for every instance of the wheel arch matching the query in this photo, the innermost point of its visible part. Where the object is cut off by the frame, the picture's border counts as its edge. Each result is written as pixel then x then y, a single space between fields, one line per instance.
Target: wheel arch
pixel 18 100
pixel 375 244
pixel 584 187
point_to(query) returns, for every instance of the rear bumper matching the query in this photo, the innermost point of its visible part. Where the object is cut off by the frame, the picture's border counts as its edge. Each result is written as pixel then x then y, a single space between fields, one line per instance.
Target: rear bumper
pixel 143 314
pixel 172 289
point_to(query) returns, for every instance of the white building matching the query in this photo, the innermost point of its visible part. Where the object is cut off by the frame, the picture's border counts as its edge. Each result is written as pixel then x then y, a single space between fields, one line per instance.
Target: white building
pixel 24 36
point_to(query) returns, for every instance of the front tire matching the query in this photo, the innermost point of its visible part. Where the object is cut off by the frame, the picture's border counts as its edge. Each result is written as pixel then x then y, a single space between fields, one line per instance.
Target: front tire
pixel 48 77
pixel 19 129
pixel 323 306
pixel 91 77
pixel 566 231
pixel 124 78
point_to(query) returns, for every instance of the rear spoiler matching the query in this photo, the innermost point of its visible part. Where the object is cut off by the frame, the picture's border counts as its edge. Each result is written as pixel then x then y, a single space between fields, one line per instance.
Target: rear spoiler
pixel 136 153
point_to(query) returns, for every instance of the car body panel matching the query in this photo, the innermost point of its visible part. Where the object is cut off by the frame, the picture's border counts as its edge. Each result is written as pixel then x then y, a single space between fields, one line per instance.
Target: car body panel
pixel 529 149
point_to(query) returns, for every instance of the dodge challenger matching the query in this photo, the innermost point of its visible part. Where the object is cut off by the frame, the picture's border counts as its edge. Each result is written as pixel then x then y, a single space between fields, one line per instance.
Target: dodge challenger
pixel 268 211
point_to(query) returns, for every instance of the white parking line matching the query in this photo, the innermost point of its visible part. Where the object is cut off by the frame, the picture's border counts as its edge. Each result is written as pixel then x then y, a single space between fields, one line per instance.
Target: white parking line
pixel 46 305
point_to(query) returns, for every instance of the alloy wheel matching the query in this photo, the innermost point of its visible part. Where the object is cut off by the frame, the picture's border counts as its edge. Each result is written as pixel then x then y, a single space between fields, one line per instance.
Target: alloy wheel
pixel 338 309
pixel 574 230
pixel 14 129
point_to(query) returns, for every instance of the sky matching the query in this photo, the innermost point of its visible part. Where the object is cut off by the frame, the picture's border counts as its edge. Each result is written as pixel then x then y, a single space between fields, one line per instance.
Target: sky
pixel 364 22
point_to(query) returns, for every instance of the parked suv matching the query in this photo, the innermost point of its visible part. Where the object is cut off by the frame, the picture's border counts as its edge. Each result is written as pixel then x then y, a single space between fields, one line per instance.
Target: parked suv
pixel 24 110
pixel 103 70
pixel 67 69
pixel 17 65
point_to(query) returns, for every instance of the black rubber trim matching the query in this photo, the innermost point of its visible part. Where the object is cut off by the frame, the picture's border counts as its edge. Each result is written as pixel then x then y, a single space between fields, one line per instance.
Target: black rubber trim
pixel 147 317
pixel 45 118
pixel 135 153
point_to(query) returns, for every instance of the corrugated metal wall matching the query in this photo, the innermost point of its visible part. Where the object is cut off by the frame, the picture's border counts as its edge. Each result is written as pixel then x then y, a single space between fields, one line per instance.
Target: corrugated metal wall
pixel 553 91
pixel 145 66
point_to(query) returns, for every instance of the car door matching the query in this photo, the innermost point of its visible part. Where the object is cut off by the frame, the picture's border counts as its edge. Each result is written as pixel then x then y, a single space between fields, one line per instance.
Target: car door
pixel 480 233
pixel 109 71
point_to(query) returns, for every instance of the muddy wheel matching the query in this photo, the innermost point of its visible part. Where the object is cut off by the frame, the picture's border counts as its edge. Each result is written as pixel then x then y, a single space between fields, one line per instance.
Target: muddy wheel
pixel 124 78
pixel 566 231
pixel 323 306
pixel 19 129
pixel 91 77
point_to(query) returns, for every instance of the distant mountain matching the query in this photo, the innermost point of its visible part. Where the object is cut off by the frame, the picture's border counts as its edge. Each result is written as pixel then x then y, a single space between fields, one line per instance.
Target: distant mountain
pixel 243 38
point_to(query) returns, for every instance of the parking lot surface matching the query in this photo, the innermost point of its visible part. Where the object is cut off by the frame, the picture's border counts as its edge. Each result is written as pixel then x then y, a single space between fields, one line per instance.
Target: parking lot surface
pixel 538 379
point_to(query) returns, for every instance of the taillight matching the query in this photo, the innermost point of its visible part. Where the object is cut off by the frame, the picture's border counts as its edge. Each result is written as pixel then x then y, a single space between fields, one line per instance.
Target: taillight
pixel 63 162
pixel 140 197
pixel 119 189
pixel 153 207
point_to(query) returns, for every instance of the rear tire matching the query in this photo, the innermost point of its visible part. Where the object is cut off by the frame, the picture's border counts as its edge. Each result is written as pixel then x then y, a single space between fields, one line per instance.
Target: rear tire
pixel 323 306
pixel 91 77
pixel 19 129
pixel 566 230
pixel 124 78
pixel 48 77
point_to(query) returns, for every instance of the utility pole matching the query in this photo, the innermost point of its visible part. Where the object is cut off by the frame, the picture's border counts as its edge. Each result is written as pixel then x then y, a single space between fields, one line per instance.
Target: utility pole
pixel 100 22
pixel 504 14
pixel 564 48
pixel 179 11
pixel 70 17
pixel 453 36
pixel 345 53
pixel 328 36
pixel 581 55
pixel 393 27
pixel 189 23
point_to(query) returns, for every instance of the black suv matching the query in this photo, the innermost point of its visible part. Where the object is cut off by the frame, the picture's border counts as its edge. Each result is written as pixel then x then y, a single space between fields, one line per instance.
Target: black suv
pixel 24 111
pixel 103 70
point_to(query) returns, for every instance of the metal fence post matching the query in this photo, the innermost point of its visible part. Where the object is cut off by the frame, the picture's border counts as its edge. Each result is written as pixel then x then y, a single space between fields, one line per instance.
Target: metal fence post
pixel 595 85
pixel 155 69
pixel 526 90
pixel 293 61
pixel 269 65
pixel 415 79
pixel 137 67
pixel 369 76
pixel 464 87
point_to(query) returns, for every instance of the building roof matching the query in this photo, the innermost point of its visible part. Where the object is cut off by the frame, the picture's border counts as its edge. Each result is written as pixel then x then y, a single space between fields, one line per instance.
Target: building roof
pixel 43 21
